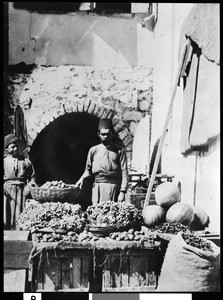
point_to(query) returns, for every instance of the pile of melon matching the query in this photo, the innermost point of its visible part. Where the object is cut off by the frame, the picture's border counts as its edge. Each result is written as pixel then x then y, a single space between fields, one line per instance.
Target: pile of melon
pixel 169 208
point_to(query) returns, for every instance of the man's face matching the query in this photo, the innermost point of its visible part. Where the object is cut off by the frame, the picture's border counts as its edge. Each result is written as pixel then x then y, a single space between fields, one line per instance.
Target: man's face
pixel 105 135
pixel 12 149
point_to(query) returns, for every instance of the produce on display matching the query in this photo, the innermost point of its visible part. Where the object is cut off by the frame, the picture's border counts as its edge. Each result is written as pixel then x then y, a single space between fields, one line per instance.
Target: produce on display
pixel 67 238
pixel 132 235
pixel 166 194
pixel 55 215
pixel 172 228
pixel 87 236
pixel 198 242
pixel 190 265
pixel 180 212
pixel 53 191
pixel 201 219
pixel 55 185
pixel 153 215
pixel 115 215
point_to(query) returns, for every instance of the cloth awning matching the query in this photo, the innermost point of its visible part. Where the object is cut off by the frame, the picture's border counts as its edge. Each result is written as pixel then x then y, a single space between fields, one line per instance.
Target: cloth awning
pixel 201 103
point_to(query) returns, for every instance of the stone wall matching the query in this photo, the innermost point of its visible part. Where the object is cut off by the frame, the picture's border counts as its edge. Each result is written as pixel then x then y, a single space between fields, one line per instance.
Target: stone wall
pixel 123 94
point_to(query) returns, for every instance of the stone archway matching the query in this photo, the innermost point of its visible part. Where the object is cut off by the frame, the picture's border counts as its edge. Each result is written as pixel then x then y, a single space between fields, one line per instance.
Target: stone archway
pixel 37 119
pixel 123 95
pixel 59 151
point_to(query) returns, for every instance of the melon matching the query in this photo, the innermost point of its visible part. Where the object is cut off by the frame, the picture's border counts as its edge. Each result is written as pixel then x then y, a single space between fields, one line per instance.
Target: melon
pixel 153 215
pixel 166 194
pixel 180 212
pixel 201 219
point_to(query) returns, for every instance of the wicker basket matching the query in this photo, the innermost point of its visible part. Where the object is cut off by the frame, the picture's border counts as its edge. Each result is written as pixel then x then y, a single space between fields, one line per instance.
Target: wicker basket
pixel 99 231
pixel 53 195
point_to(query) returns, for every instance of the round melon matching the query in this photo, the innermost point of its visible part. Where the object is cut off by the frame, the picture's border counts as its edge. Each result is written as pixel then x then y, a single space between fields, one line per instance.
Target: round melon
pixel 166 194
pixel 153 215
pixel 201 219
pixel 180 212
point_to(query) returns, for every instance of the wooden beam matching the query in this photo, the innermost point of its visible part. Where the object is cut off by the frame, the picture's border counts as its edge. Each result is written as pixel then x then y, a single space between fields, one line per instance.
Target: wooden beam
pixel 162 138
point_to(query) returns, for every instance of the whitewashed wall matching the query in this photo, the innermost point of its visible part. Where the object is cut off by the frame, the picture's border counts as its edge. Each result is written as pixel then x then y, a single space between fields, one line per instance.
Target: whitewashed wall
pixel 206 192
pixel 78 39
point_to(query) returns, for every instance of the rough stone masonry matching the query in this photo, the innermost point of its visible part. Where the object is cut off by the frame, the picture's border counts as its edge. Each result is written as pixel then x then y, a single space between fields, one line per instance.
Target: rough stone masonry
pixel 123 94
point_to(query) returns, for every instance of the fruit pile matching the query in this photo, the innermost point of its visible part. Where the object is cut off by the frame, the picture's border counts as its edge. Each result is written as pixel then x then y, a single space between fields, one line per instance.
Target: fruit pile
pixel 173 228
pixel 55 185
pixel 69 237
pixel 131 235
pixel 85 236
pixel 198 242
pixel 169 208
pixel 55 215
pixel 116 215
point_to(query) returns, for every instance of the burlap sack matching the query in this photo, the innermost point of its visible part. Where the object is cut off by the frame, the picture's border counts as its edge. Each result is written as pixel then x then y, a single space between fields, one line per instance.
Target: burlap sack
pixel 189 269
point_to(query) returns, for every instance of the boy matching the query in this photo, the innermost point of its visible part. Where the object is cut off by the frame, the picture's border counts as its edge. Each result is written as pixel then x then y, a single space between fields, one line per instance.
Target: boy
pixel 18 173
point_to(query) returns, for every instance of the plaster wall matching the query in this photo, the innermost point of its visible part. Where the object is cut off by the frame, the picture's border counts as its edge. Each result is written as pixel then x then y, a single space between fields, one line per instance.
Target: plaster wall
pixel 78 39
pixel 200 178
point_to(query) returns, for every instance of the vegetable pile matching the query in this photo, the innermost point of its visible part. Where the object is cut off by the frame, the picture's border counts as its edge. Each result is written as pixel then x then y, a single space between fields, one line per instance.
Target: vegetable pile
pixel 85 236
pixel 55 185
pixel 70 237
pixel 55 215
pixel 131 235
pixel 172 228
pixel 198 242
pixel 115 215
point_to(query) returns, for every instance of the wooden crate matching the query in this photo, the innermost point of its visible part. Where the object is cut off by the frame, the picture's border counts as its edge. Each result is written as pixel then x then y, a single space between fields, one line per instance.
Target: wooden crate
pixel 63 270
pixel 138 199
pixel 130 271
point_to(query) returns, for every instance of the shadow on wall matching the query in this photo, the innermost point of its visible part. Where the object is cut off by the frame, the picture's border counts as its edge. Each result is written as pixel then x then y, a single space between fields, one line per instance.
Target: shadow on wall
pixel 48 7
pixel 56 39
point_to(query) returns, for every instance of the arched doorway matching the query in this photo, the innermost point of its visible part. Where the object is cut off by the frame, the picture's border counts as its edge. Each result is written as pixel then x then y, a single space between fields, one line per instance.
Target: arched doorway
pixel 59 152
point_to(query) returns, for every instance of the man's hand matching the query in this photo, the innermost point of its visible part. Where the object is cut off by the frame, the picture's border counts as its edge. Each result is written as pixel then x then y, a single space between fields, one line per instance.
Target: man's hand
pixel 121 196
pixel 32 183
pixel 79 183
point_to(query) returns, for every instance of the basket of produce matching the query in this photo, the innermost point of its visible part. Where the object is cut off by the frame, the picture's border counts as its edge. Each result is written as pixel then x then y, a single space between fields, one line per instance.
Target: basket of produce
pixel 112 216
pixel 99 230
pixel 55 191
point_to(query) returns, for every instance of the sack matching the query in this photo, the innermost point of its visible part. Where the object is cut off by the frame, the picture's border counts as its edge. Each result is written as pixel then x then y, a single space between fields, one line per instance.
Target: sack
pixel 187 268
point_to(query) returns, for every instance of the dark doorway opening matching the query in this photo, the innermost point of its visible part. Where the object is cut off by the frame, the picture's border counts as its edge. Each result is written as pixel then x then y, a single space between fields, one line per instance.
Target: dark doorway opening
pixel 60 151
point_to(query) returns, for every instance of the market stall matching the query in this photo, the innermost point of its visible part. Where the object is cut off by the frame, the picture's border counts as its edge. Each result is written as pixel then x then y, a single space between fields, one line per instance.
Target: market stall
pixel 114 246
pixel 94 267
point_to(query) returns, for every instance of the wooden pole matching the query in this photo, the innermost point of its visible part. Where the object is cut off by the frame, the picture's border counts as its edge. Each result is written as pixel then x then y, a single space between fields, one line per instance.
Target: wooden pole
pixel 195 179
pixel 162 138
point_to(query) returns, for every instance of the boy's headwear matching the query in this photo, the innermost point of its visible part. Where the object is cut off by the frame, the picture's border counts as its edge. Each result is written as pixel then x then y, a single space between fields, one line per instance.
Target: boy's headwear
pixel 9 139
pixel 105 124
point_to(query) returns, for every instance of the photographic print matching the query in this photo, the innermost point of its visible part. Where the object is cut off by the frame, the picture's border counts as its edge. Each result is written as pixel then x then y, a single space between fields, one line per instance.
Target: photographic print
pixel 111 148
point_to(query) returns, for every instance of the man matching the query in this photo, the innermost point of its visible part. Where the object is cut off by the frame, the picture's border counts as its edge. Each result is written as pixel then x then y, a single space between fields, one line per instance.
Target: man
pixel 108 164
pixel 18 175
